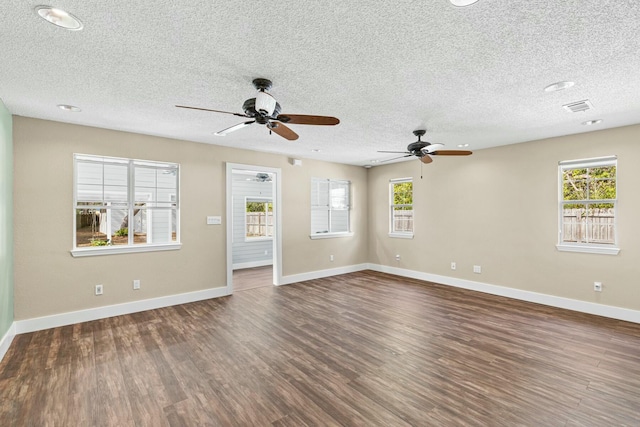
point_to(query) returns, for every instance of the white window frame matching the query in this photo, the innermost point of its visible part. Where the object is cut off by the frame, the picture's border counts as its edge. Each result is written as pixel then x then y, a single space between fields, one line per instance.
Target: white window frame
pixel 392 206
pixel 596 248
pixel 265 201
pixel 130 247
pixel 329 209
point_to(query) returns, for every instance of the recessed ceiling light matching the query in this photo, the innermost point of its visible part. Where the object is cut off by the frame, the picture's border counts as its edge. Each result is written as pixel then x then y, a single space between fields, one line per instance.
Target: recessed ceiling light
pixel 59 17
pixel 462 3
pixel 70 108
pixel 463 145
pixel 592 122
pixel 315 150
pixel 554 87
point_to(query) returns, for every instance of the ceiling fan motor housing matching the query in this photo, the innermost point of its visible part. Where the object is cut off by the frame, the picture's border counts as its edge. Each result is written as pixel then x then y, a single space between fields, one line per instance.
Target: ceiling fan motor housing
pixel 415 148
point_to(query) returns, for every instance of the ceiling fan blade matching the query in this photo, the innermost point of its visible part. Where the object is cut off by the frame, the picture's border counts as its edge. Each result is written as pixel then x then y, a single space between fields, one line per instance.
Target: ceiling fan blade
pixel 283 131
pixel 396 152
pixel 214 111
pixel 234 128
pixel 426 159
pixel 301 119
pixel 395 158
pixel 451 153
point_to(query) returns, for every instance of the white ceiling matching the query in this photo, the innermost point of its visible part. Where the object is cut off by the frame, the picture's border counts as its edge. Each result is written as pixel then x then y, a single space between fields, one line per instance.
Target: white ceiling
pixel 468 75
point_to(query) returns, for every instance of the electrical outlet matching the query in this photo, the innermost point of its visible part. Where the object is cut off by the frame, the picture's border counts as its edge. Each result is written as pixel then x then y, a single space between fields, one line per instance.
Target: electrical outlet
pixel 398 257
pixel 331 258
pixel 477 269
pixel 597 286
pixel 136 284
pixel 453 265
pixel 98 289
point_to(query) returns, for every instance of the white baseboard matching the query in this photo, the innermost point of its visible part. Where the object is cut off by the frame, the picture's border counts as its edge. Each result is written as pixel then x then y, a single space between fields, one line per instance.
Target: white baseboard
pixel 519 294
pixel 6 340
pixel 252 264
pixel 63 319
pixel 295 278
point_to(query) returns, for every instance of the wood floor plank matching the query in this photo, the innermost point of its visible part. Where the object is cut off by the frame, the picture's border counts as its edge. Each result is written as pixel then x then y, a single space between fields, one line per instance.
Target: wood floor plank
pixel 363 348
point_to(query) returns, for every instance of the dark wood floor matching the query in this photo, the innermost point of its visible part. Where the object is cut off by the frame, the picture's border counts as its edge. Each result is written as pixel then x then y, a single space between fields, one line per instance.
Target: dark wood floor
pixel 251 278
pixel 362 349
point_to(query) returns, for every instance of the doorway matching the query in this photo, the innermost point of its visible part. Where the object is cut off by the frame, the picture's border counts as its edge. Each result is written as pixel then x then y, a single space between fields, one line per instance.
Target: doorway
pixel 254 232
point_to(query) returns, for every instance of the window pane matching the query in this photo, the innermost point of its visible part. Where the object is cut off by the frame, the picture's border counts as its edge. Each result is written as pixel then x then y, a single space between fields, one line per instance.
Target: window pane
pixel 115 194
pixel 582 221
pixel 167 178
pixel 602 189
pixel 89 173
pixel 319 220
pixel 339 195
pixel 155 187
pixel 89 193
pixel 88 228
pixel 98 227
pixel 319 192
pixel 574 184
pixel 402 220
pixel 116 175
pixel 154 225
pixel 600 223
pixel 574 221
pixel 339 221
pixel 403 193
pixel 402 207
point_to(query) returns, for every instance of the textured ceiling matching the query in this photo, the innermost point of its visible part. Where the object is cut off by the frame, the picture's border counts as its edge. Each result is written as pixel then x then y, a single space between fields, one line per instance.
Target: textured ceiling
pixel 470 75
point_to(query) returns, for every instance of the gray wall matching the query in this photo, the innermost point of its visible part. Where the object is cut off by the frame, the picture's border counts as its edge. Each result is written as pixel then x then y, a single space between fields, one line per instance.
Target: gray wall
pixel 249 253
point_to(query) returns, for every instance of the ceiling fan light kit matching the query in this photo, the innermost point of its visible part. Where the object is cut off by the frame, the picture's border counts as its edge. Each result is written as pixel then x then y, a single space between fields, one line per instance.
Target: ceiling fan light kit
pixel 265 110
pixel 462 3
pixel 59 18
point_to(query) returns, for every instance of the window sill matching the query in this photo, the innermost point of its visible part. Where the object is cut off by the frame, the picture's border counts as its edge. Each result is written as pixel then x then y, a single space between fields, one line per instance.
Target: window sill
pixel 606 250
pixel 329 235
pixel 401 235
pixel 113 250
pixel 257 239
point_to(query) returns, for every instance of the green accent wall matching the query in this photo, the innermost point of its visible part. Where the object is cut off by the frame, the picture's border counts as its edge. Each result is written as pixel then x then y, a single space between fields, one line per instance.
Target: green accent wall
pixel 6 220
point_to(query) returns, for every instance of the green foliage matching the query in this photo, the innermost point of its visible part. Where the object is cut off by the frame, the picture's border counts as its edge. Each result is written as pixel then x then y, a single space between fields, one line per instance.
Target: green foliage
pixel 259 206
pixel 403 193
pixel 586 184
pixel 122 232
pixel 98 242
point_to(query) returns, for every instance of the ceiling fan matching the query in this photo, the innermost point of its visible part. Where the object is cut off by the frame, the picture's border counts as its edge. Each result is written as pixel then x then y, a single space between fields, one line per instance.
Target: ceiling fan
pixel 424 150
pixel 265 110
pixel 262 177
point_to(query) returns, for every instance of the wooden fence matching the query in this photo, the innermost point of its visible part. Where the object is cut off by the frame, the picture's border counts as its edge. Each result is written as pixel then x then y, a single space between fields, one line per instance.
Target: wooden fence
pixel 403 221
pixel 259 224
pixel 596 226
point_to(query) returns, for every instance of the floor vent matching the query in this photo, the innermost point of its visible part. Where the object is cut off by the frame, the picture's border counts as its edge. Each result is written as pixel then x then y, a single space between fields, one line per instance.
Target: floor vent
pixel 579 106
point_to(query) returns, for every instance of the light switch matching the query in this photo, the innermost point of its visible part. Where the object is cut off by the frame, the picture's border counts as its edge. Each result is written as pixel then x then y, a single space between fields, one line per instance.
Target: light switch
pixel 214 220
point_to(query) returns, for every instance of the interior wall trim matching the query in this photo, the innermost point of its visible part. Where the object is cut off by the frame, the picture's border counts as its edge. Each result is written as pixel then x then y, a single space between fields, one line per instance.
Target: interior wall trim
pixel 73 317
pixel 6 340
pixel 319 274
pixel 612 312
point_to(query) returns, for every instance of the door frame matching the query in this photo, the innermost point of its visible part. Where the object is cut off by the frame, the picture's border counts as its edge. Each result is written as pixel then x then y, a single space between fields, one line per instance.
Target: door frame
pixel 277 235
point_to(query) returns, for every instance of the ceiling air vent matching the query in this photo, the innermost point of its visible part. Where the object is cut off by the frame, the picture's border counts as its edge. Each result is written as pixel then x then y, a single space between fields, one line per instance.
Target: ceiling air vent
pixel 576 107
